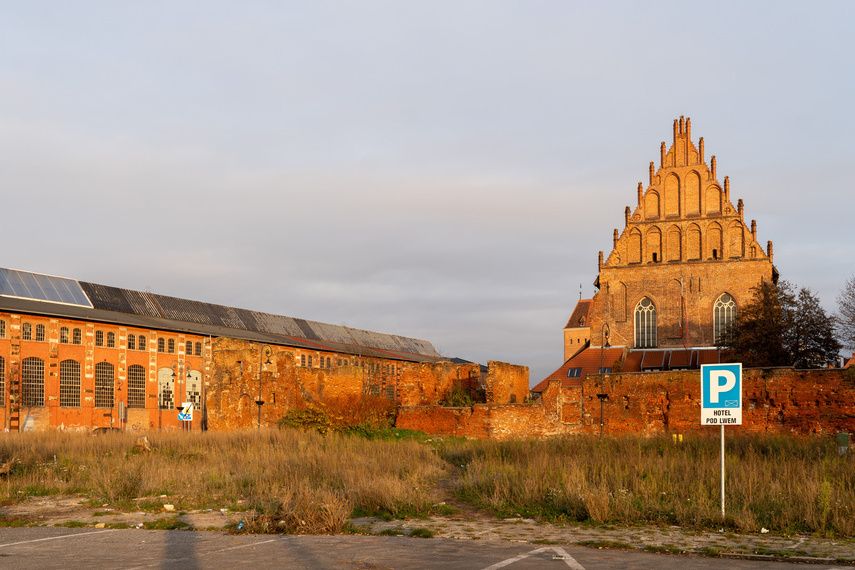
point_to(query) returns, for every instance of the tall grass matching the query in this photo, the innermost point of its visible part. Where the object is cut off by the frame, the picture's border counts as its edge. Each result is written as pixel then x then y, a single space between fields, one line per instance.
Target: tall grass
pixel 292 480
pixel 303 481
pixel 781 483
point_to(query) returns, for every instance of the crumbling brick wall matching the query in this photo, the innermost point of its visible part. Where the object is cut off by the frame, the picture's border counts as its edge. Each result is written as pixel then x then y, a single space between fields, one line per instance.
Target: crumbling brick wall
pixel 506 383
pixel 777 400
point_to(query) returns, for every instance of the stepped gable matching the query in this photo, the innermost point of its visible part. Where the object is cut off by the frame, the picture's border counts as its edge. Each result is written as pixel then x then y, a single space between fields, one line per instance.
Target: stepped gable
pixel 684 249
pixel 685 213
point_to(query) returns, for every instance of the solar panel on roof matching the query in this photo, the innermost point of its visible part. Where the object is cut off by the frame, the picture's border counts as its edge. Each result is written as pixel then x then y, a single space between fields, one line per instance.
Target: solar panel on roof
pixel 26 285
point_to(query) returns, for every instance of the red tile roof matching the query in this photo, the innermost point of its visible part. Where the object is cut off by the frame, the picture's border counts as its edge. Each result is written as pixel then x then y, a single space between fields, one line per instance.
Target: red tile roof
pixel 579 318
pixel 589 362
pixel 637 360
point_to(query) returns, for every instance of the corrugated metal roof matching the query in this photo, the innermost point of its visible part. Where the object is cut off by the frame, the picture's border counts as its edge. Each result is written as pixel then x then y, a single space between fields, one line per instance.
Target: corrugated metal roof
pixel 145 309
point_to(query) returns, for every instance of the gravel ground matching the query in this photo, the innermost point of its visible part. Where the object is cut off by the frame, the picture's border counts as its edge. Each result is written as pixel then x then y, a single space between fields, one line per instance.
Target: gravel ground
pixel 468 524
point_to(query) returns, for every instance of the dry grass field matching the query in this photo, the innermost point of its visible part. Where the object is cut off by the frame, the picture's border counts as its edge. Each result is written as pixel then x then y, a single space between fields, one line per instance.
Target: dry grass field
pixel 301 481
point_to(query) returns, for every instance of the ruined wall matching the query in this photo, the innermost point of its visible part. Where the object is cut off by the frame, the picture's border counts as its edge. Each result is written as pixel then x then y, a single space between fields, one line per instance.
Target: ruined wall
pixel 430 383
pixel 506 383
pixel 779 400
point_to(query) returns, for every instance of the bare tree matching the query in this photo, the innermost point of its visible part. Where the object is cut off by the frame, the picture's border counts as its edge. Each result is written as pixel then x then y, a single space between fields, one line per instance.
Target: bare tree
pixel 846 313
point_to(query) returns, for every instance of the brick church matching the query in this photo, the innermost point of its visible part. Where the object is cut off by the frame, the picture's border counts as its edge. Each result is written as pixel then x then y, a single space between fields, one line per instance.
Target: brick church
pixel 677 274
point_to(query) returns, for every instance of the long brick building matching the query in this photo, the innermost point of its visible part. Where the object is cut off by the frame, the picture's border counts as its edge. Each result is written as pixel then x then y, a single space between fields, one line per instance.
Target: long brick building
pixel 677 273
pixel 78 355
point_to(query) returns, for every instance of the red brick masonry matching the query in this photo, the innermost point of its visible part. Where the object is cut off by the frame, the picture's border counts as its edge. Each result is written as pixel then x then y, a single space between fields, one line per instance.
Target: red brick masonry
pixel 779 400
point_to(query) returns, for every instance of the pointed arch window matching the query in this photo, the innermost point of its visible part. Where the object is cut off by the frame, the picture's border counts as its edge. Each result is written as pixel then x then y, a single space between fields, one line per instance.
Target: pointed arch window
pixel 645 324
pixel 724 316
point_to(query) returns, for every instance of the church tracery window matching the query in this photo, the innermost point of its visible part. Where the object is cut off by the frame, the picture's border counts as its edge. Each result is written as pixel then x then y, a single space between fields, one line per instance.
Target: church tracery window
pixel 724 316
pixel 645 324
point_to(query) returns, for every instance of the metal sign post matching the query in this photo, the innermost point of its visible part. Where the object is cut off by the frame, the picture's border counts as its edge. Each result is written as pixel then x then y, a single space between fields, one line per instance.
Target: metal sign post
pixel 721 402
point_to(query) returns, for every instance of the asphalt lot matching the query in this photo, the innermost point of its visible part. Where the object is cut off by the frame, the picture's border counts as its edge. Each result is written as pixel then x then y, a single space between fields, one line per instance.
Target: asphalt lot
pixel 54 547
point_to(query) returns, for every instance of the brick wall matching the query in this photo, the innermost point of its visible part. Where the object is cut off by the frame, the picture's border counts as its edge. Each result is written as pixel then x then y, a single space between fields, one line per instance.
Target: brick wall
pixel 506 383
pixel 779 400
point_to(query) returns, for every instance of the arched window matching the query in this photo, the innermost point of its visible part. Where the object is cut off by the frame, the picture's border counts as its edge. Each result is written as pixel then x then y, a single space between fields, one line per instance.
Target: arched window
pixel 111 340
pixel 132 342
pixel 76 336
pixel 142 342
pixel 27 332
pixel 136 386
pixel 198 349
pixel 104 385
pixel 40 333
pixel 194 387
pixel 33 382
pixel 99 338
pixel 69 384
pixel 2 329
pixel 63 335
pixel 171 346
pixel 2 381
pixel 645 324
pixel 165 389
pixel 724 316
pixel 161 345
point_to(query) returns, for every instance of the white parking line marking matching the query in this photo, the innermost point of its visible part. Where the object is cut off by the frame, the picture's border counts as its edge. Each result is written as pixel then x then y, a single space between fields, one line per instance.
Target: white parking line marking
pixel 561 554
pixel 58 537
pixel 200 554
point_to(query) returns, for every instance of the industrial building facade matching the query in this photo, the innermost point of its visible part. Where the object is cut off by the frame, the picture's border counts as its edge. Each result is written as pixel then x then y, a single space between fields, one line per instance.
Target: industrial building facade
pixel 78 355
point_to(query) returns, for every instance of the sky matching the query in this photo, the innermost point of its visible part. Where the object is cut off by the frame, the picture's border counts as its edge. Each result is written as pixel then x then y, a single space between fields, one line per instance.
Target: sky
pixel 440 170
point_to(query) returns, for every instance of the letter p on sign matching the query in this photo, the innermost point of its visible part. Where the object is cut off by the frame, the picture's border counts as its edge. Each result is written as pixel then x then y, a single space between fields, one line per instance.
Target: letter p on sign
pixel 721 394
pixel 717 386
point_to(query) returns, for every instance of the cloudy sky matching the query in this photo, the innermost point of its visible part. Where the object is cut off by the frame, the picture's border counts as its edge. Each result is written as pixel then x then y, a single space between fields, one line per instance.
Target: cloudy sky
pixel 441 170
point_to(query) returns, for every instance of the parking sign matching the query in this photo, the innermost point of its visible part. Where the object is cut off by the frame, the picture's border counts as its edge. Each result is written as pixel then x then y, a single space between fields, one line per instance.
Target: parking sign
pixel 721 394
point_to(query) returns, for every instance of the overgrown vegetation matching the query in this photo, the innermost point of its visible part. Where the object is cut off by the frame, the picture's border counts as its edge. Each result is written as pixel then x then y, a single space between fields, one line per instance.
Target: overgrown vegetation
pixel 785 484
pixel 287 480
pixel 782 327
pixel 301 481
pixel 347 414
